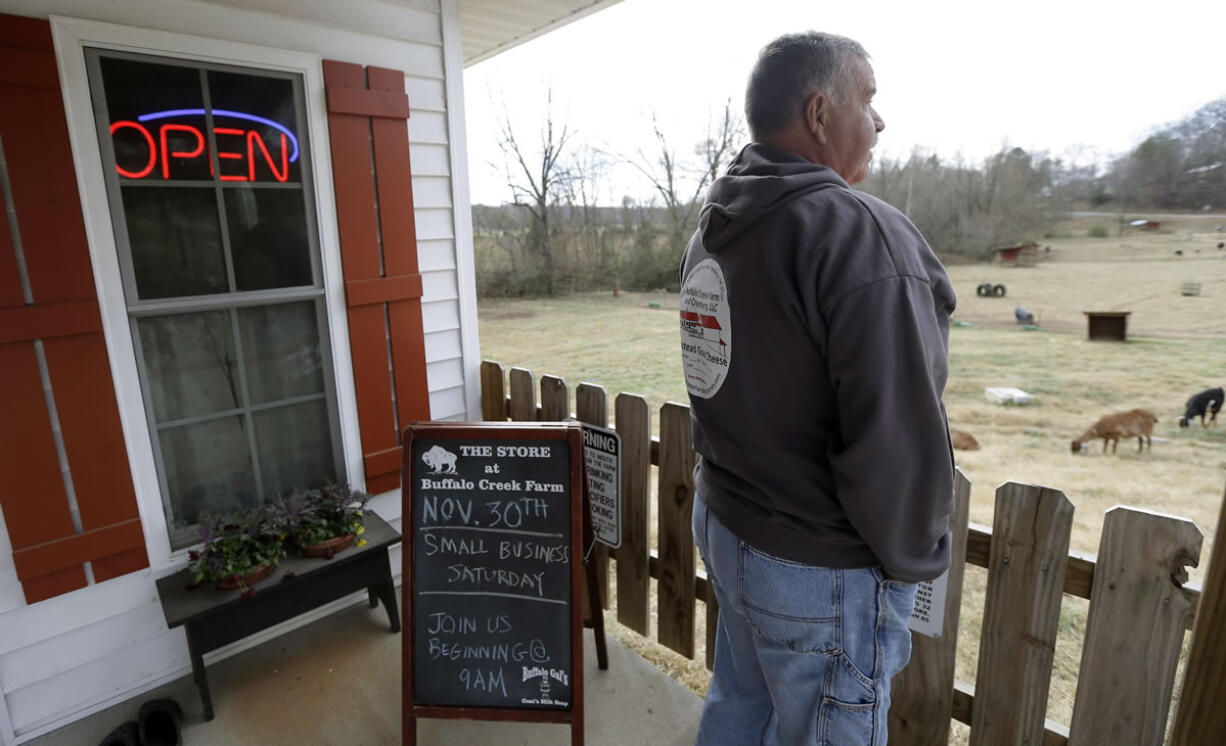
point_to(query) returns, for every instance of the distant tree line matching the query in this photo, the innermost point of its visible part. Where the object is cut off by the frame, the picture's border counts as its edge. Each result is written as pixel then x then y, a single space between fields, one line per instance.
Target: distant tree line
pixel 1181 166
pixel 554 237
pixel 966 209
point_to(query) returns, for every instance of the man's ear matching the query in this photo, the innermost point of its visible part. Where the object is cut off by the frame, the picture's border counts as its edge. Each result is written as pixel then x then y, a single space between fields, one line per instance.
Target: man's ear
pixel 817 115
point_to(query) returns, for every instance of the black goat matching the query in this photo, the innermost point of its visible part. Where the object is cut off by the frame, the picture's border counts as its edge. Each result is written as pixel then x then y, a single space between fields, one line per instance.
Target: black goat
pixel 1208 402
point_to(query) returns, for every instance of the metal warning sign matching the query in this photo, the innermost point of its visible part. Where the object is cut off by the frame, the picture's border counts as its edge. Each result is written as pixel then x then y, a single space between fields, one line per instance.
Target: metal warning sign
pixel 602 450
pixel 929 615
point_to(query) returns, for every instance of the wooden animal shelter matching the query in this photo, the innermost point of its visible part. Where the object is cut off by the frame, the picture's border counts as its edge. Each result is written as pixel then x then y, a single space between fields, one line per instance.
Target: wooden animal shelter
pixel 1021 255
pixel 1111 326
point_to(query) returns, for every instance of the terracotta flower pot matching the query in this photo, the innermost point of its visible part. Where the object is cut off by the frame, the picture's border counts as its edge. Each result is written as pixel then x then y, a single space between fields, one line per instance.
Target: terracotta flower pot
pixel 328 547
pixel 255 576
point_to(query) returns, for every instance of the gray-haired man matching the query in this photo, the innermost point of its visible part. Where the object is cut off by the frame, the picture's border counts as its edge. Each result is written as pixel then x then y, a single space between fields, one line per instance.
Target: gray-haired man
pixel 814 337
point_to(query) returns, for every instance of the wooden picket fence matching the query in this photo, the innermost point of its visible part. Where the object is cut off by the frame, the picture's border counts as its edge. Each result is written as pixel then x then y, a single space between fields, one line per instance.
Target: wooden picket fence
pixel 1140 606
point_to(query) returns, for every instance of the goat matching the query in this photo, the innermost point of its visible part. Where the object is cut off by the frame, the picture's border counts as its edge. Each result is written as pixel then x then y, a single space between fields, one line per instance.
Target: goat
pixel 1208 402
pixel 1135 423
pixel 961 440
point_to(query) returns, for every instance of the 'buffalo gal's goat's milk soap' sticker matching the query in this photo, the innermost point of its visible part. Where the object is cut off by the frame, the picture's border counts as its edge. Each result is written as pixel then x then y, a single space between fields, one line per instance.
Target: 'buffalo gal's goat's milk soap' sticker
pixel 706 329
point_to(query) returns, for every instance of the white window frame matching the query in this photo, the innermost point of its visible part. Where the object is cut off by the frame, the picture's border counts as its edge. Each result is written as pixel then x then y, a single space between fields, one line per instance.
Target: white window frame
pixel 71 36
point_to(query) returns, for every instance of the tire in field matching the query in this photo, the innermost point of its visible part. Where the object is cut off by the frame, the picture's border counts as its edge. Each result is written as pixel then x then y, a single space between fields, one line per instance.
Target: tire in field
pixel 983 290
pixel 998 291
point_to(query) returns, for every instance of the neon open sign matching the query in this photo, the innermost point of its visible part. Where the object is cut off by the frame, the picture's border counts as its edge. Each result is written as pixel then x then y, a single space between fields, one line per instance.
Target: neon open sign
pixel 242 145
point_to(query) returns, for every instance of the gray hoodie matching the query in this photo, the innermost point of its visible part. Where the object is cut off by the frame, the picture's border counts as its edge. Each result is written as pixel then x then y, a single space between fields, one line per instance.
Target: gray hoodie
pixel 814 336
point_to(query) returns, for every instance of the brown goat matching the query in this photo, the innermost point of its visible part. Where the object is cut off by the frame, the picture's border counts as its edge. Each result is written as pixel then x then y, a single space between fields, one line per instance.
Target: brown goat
pixel 961 440
pixel 1135 423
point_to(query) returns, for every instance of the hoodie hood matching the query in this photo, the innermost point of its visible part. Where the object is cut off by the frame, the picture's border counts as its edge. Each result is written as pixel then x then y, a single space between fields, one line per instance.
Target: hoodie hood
pixel 761 179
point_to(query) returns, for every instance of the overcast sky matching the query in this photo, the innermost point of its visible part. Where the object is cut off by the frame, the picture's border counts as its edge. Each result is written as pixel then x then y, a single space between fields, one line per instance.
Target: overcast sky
pixel 1081 79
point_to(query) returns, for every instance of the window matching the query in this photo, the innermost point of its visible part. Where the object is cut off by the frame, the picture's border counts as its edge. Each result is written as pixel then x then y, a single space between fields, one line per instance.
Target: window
pixel 208 180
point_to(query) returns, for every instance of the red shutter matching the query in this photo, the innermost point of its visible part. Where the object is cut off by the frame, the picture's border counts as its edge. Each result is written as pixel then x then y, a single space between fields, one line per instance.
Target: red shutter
pixel 47 553
pixel 368 115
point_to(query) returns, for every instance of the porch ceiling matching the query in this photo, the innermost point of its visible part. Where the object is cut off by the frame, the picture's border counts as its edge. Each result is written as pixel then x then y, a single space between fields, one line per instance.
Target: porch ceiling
pixel 493 26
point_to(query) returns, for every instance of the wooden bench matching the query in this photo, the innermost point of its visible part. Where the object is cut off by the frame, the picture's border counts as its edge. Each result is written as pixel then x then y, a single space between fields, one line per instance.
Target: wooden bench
pixel 214 618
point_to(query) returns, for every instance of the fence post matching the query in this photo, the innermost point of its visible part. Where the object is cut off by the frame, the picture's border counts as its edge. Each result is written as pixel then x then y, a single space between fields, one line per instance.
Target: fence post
pixel 1202 716
pixel 633 558
pixel 1128 670
pixel 523 396
pixel 555 399
pixel 1030 538
pixel 921 704
pixel 493 394
pixel 675 588
pixel 592 407
pixel 712 604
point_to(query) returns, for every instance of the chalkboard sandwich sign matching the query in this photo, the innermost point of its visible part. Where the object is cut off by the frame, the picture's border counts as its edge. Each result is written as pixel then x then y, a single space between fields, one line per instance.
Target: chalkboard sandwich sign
pixel 493 556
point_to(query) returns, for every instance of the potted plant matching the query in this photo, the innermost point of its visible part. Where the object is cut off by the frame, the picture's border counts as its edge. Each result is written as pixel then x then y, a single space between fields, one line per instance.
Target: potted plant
pixel 240 548
pixel 324 521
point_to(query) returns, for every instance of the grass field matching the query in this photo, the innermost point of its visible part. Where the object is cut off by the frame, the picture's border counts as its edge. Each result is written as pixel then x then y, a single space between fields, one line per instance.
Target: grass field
pixel 1176 347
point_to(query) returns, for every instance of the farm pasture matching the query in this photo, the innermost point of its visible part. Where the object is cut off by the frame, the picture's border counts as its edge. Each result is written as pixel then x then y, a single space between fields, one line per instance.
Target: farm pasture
pixel 1176 347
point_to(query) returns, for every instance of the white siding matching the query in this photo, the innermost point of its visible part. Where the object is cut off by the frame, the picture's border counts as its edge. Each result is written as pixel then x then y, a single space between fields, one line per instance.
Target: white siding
pixel 428 127
pixel 448 404
pixel 443 345
pixel 61 654
pixel 425 94
pixel 439 316
pixel 28 625
pixel 435 254
pixel 397 20
pixel 69 656
pixel 11 596
pixel 10 589
pixel 101 681
pixel 465 267
pixel 432 191
pixel 440 285
pixel 429 160
pixel 442 371
pixel 434 223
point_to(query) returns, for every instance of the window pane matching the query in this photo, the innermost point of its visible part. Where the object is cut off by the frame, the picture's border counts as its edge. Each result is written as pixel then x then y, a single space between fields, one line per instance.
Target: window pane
pixel 258 127
pixel 268 237
pixel 176 241
pixel 191 364
pixel 281 351
pixel 208 470
pixel 150 142
pixel 295 446
pixel 210 162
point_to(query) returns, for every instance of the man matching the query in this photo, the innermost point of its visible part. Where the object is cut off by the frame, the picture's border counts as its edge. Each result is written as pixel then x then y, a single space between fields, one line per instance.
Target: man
pixel 814 335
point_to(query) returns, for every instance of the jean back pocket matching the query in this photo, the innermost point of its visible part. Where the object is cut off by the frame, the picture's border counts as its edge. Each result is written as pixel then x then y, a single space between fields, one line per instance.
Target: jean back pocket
pixel 790 603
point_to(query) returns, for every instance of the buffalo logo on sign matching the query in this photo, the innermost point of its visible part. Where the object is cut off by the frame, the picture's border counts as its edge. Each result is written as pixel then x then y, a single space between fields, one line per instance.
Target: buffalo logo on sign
pixel 440 460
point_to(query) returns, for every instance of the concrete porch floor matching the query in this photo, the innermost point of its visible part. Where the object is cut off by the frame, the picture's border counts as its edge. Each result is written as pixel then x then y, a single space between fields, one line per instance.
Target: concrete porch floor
pixel 337 681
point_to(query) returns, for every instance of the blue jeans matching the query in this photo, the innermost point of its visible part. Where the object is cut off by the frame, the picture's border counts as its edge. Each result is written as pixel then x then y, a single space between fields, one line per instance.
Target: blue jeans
pixel 803 654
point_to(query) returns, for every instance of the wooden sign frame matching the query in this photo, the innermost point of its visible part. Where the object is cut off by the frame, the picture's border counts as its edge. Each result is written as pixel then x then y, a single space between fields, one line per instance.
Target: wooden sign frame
pixel 581 538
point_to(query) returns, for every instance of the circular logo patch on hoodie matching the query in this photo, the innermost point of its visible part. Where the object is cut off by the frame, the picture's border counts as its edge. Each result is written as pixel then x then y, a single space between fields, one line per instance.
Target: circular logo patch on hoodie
pixel 706 329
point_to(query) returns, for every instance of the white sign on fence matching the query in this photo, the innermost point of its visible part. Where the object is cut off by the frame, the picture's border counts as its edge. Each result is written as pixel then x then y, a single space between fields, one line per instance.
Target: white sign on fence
pixel 929 615
pixel 602 451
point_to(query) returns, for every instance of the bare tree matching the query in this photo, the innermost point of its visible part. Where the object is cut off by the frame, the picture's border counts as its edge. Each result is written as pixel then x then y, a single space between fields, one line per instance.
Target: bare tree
pixel 967 209
pixel 680 183
pixel 537 180
pixel 719 147
pixel 587 171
